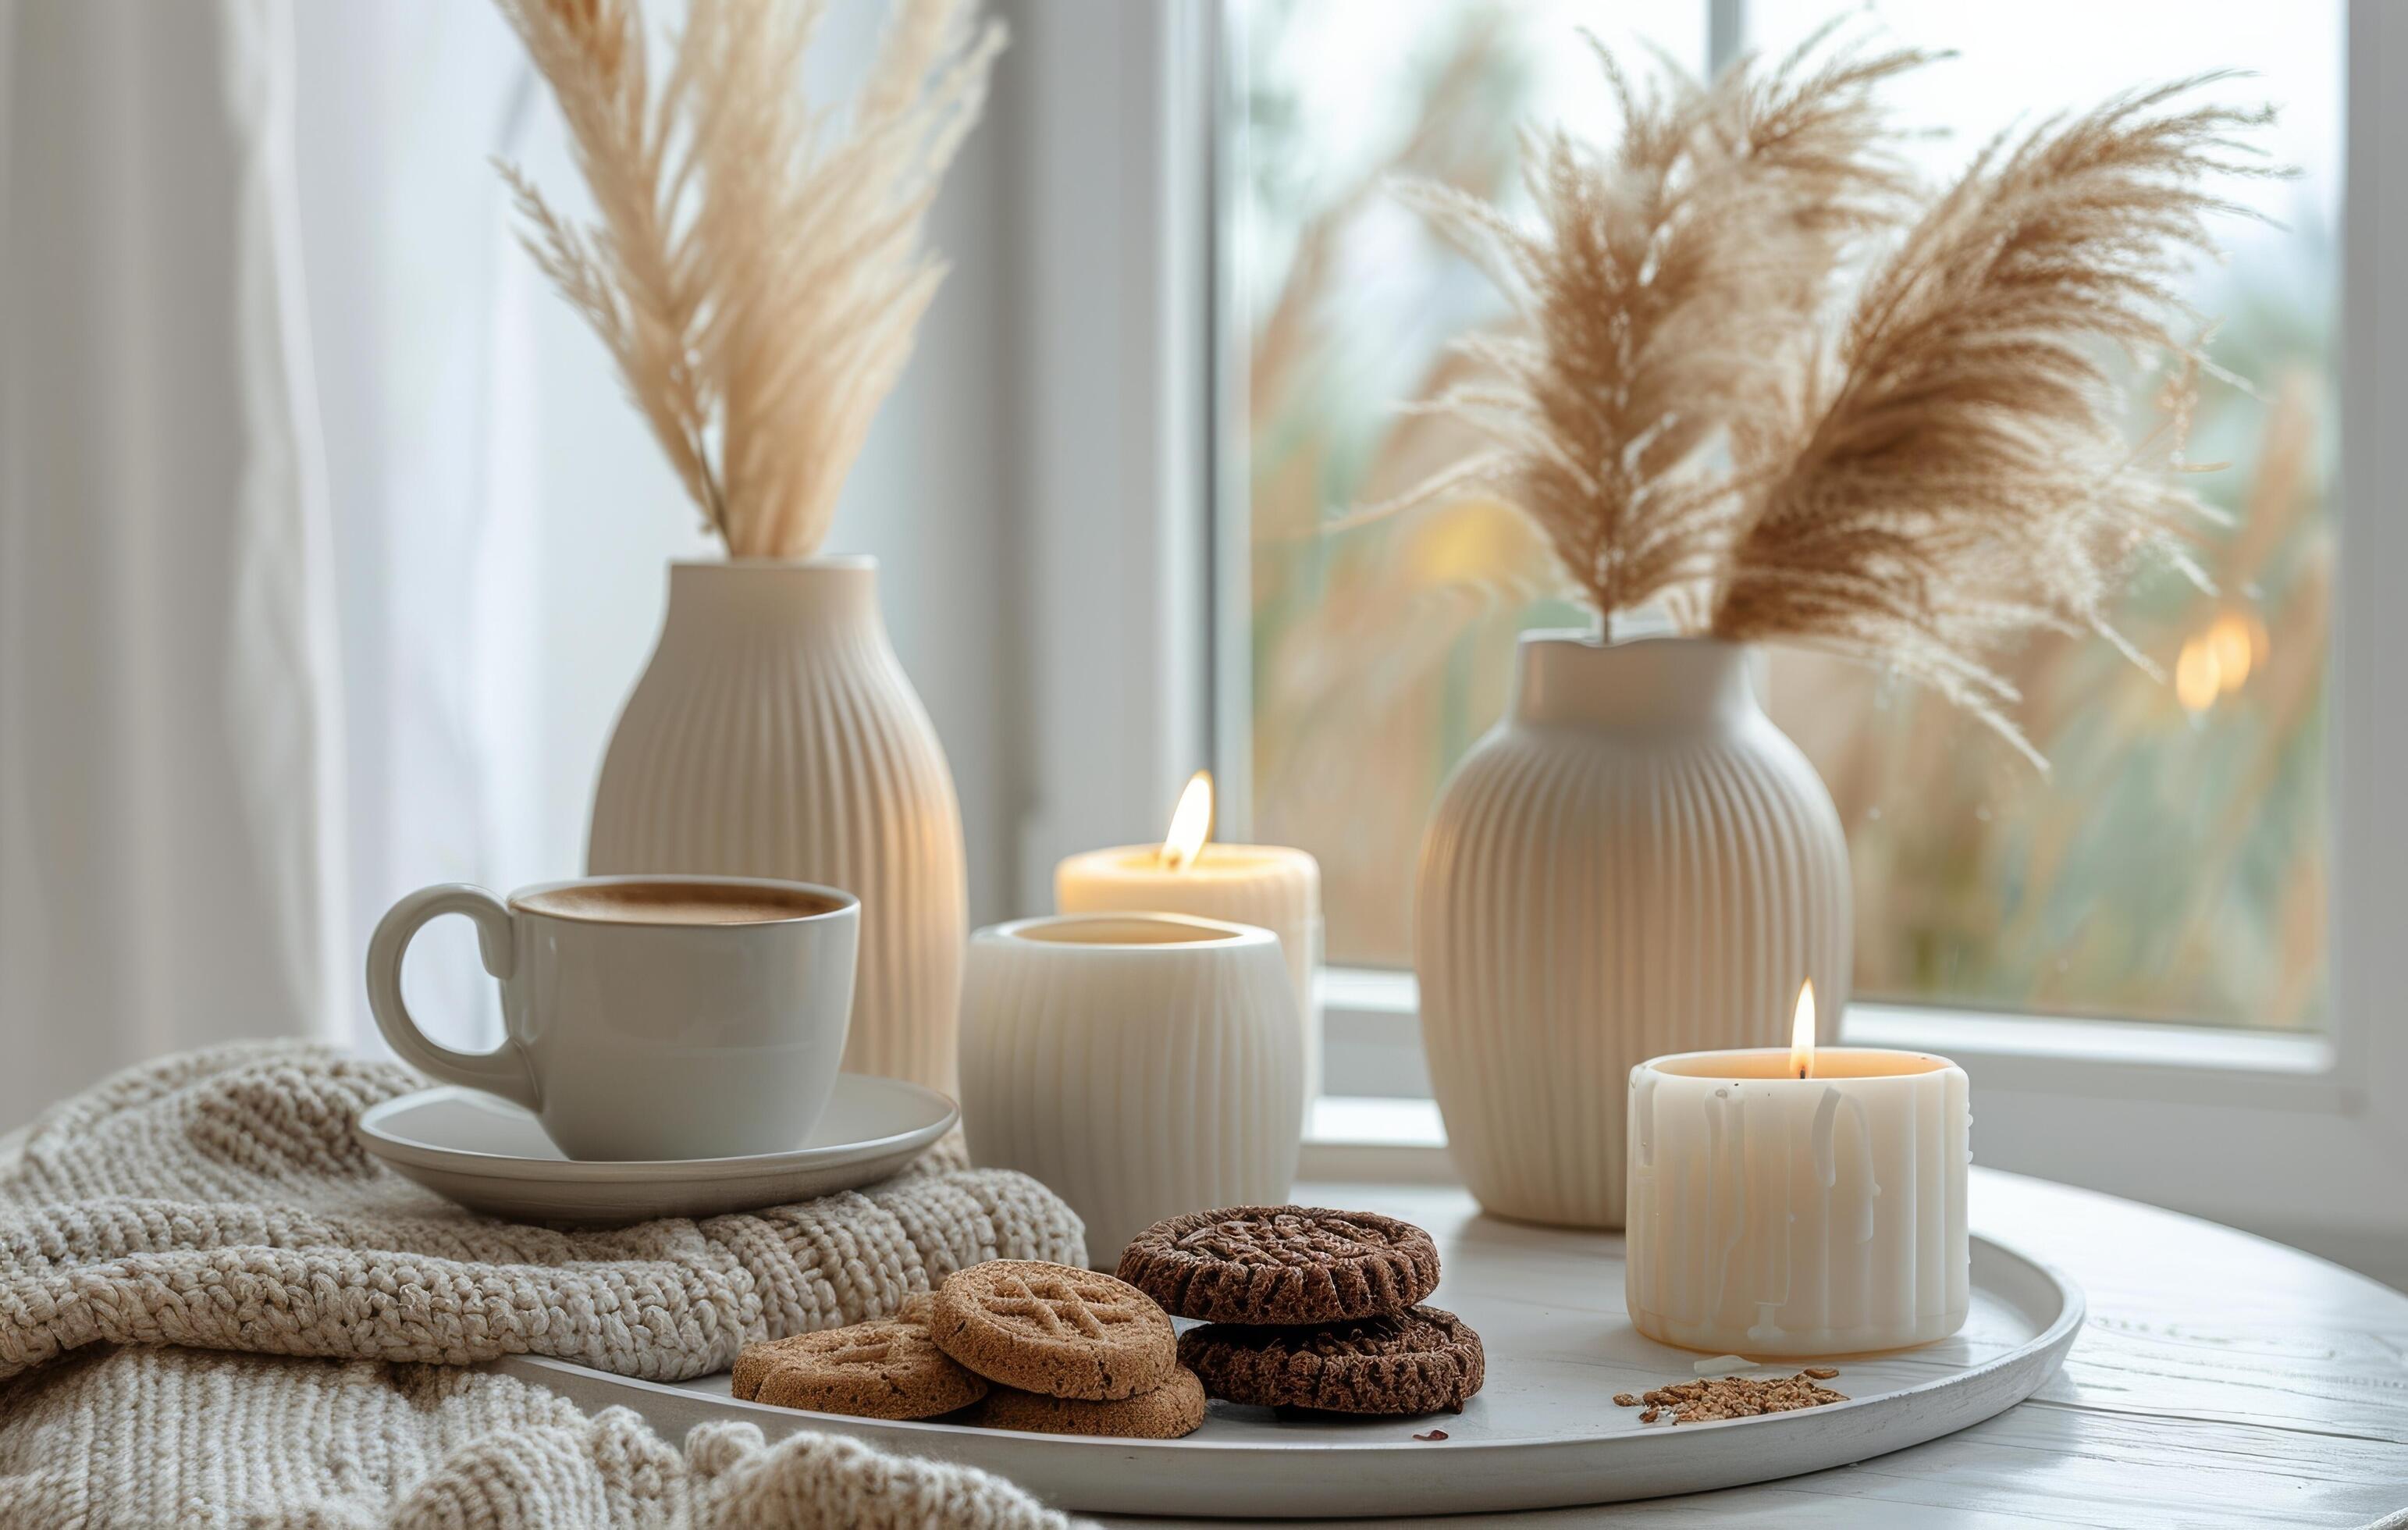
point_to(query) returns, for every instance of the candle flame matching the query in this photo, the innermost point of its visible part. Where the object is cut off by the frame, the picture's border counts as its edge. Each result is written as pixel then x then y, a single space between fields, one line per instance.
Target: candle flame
pixel 1191 824
pixel 1801 1033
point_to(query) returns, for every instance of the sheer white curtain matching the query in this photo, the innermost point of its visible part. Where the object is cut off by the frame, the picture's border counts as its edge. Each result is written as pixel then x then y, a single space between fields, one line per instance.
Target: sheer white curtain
pixel 170 795
pixel 329 546
pixel 423 325
pixel 271 612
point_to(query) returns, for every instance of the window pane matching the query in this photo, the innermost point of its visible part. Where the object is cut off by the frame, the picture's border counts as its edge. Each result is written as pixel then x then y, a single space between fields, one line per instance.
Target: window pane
pixel 2172 863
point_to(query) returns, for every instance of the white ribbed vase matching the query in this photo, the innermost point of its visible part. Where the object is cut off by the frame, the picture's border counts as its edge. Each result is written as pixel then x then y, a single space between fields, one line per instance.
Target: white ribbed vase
pixel 1139 1066
pixel 1634 861
pixel 774 733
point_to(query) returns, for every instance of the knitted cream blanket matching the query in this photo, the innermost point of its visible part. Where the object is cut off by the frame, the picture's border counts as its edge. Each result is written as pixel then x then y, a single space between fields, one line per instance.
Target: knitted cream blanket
pixel 218 1200
pixel 148 1438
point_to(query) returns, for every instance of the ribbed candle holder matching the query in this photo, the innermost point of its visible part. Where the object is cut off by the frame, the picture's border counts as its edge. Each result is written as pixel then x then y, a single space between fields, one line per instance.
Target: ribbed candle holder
pixel 1271 885
pixel 1139 1066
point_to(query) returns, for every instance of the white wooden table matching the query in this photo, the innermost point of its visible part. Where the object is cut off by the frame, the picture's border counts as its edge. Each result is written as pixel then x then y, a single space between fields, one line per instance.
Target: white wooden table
pixel 2222 1380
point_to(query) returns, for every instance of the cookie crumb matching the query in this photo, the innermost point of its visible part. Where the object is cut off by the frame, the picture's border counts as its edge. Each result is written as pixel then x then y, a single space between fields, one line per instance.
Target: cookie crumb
pixel 1740 1396
pixel 1623 1399
pixel 1435 1434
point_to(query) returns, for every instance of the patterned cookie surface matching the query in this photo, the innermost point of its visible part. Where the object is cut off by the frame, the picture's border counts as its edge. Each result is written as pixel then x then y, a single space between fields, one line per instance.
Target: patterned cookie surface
pixel 1174 1408
pixel 1417 1362
pixel 1282 1264
pixel 1051 1328
pixel 886 1370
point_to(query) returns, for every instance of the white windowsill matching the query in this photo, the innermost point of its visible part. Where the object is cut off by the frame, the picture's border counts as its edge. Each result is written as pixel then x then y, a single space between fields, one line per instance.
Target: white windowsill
pixel 1373 1035
pixel 1377 1139
pixel 2141 1043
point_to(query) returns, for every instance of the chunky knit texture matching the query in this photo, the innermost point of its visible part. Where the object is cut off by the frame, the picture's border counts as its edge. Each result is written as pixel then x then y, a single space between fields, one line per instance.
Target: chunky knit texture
pixel 141 1438
pixel 218 1199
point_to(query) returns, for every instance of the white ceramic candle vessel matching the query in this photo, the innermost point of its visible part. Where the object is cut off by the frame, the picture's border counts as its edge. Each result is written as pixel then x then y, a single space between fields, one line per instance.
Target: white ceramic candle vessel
pixel 1139 1065
pixel 1267 885
pixel 1774 1215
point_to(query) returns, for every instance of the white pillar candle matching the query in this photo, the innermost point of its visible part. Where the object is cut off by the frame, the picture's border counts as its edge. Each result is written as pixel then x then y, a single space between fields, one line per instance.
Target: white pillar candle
pixel 1772 1214
pixel 1271 886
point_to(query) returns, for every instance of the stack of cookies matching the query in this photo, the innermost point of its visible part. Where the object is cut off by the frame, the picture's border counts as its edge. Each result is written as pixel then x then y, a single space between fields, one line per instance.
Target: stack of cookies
pixel 1025 1344
pixel 1309 1307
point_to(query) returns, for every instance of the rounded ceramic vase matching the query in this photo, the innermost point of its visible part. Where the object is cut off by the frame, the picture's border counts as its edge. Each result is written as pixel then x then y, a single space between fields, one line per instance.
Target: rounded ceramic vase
pixel 1635 861
pixel 774 733
pixel 1141 1065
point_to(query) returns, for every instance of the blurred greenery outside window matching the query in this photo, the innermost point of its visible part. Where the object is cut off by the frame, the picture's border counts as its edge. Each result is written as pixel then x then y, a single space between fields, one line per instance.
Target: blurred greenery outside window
pixel 2173 863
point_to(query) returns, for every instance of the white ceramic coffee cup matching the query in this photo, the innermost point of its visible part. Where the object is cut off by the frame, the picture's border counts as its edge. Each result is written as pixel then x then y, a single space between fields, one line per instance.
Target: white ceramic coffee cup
pixel 635 1037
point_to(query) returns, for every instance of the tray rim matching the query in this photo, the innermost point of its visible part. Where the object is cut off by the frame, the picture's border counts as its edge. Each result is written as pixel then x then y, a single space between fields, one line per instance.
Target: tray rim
pixel 2039 1358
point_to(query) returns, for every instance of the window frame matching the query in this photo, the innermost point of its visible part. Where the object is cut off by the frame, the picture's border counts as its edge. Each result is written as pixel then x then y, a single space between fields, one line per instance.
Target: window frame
pixel 2279 1132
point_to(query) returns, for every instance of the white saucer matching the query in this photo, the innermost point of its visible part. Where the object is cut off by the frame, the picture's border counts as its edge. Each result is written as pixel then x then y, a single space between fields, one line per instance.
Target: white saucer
pixel 491 1156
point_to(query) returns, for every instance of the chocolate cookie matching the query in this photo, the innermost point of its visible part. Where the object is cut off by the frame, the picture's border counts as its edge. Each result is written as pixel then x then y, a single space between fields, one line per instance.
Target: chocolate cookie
pixel 1282 1264
pixel 886 1370
pixel 1417 1362
pixel 1050 1328
pixel 1174 1408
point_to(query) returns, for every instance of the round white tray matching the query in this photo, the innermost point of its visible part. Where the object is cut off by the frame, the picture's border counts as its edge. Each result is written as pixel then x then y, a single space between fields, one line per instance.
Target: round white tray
pixel 1544 1432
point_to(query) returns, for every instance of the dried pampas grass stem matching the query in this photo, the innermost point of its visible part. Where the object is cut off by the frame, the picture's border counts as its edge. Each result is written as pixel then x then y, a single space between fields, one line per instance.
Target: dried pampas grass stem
pixel 1961 474
pixel 755 264
pixel 1667 300
pixel 1700 420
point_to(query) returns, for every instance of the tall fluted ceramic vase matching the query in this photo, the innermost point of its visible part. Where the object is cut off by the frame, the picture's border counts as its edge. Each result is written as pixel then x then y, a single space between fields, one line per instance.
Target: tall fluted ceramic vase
pixel 774 733
pixel 1635 861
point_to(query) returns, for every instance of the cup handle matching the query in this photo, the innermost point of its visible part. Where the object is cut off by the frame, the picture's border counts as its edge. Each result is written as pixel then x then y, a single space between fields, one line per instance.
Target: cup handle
pixel 504 1070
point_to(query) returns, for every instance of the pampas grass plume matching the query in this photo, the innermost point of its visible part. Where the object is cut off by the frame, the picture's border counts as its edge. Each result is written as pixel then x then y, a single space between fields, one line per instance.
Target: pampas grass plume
pixel 755 266
pixel 1700 418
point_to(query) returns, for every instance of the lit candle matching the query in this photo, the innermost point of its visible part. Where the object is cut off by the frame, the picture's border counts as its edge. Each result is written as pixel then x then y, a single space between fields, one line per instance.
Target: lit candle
pixel 1798 1202
pixel 1267 885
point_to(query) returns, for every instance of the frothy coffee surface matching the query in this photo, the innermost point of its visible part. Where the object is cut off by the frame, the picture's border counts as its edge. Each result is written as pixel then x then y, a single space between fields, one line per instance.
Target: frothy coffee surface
pixel 675 903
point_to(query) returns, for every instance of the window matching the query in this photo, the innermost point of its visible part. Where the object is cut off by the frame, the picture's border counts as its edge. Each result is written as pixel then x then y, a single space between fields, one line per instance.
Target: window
pixel 1167 143
pixel 2172 865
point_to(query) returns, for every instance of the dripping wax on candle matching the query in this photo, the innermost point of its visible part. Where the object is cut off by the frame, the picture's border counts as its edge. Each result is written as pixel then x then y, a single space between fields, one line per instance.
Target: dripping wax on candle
pixel 1797 1201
